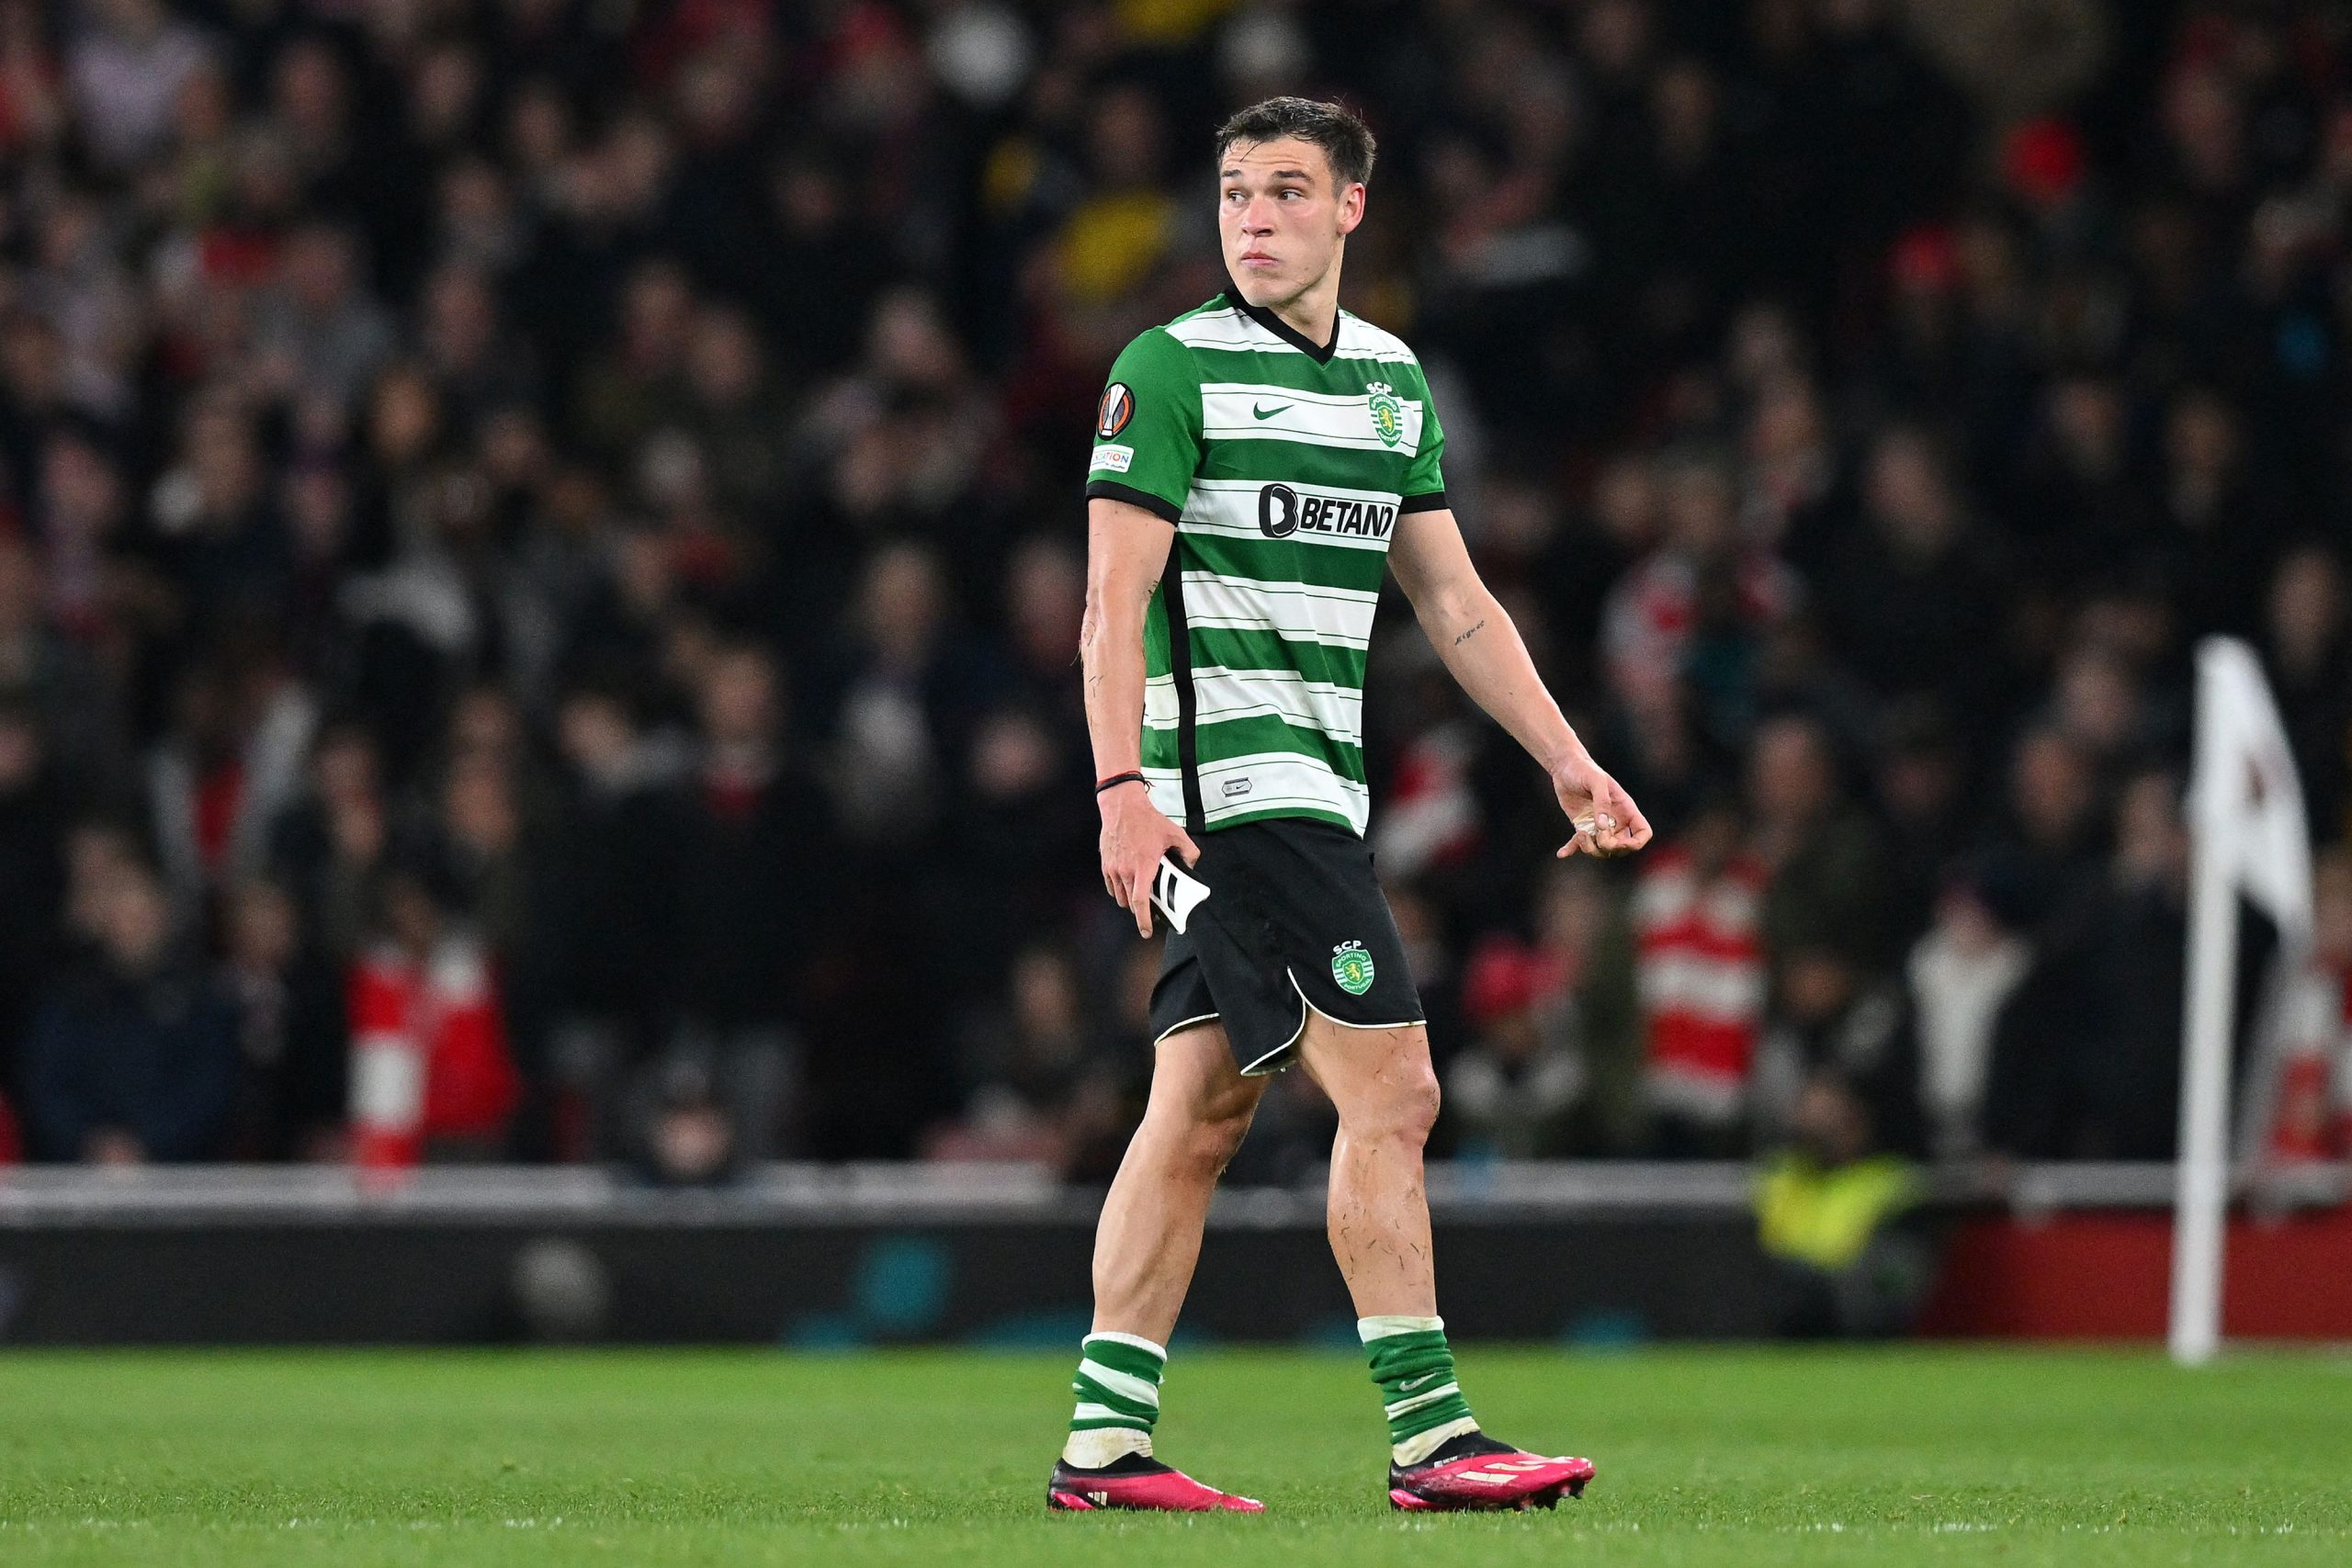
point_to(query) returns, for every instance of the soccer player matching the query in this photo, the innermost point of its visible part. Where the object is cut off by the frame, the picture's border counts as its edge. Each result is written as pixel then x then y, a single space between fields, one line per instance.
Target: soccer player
pixel 1259 463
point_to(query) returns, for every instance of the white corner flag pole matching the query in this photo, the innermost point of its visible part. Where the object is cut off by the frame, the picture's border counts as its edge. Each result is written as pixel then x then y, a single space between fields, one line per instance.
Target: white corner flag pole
pixel 2202 1176
pixel 2251 837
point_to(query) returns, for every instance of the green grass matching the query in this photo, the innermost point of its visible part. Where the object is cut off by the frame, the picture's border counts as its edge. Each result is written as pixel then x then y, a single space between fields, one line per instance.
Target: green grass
pixel 1709 1456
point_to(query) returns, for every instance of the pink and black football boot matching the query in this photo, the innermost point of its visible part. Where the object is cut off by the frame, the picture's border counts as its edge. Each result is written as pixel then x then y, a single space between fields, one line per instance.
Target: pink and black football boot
pixel 1135 1482
pixel 1475 1472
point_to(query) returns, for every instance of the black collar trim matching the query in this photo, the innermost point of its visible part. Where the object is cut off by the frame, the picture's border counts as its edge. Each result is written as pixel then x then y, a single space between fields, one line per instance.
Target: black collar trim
pixel 1298 340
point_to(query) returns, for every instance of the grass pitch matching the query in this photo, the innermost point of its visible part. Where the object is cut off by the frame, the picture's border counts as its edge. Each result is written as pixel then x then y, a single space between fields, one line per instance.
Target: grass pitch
pixel 1706 1456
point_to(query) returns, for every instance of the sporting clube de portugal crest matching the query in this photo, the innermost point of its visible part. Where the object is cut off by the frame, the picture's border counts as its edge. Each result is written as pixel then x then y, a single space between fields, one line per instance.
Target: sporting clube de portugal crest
pixel 1387 413
pixel 1352 966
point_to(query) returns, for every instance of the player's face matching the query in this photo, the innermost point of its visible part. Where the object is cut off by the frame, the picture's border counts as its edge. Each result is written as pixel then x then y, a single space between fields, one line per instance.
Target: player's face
pixel 1282 216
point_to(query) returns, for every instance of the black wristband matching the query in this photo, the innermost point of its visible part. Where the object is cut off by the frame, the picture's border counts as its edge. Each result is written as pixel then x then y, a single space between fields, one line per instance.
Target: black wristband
pixel 1133 775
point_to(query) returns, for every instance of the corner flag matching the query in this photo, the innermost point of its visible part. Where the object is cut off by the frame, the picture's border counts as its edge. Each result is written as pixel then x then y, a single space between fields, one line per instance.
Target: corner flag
pixel 2247 814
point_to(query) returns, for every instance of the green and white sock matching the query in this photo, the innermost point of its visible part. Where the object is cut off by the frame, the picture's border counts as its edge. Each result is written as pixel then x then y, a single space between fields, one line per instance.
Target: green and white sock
pixel 1414 1368
pixel 1118 1399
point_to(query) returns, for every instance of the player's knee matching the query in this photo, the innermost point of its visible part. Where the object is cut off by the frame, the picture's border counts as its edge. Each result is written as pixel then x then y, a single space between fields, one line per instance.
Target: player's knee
pixel 1402 1110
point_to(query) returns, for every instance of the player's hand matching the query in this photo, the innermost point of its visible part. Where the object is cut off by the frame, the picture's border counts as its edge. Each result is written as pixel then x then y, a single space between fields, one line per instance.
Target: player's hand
pixel 1134 835
pixel 1607 823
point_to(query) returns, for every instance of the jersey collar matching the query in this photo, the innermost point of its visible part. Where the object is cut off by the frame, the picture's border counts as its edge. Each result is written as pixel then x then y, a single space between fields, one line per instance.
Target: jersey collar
pixel 1320 353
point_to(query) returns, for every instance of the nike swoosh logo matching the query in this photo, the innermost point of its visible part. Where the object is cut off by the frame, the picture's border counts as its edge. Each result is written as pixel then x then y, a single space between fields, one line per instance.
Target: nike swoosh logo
pixel 1409 1384
pixel 1269 413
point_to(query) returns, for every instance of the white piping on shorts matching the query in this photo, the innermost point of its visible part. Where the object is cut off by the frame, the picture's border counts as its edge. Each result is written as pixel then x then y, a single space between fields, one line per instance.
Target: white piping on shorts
pixel 1179 1027
pixel 1259 1068
pixel 1343 1023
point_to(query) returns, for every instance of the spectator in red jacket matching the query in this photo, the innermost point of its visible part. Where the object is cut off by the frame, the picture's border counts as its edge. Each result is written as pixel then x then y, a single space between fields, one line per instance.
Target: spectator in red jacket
pixel 1698 935
pixel 430 1076
pixel 2304 1087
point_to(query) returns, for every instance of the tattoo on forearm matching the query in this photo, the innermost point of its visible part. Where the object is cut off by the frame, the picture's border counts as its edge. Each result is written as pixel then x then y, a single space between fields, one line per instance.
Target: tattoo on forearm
pixel 1474 631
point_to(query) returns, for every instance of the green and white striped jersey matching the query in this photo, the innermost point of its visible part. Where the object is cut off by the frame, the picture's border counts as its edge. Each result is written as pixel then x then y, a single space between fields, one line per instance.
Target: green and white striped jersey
pixel 1283 465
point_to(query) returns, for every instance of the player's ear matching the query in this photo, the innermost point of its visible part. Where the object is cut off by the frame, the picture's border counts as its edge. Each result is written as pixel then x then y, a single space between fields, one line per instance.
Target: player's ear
pixel 1352 202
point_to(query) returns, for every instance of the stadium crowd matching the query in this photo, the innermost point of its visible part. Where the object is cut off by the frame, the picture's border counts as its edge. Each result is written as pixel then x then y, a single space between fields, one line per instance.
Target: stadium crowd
pixel 540 559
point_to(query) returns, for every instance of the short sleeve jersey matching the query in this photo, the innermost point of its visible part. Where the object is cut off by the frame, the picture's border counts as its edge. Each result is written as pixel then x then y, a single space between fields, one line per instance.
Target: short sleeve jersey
pixel 1285 465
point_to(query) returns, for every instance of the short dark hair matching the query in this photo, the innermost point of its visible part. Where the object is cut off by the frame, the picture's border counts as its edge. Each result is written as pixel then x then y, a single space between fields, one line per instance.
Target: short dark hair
pixel 1345 139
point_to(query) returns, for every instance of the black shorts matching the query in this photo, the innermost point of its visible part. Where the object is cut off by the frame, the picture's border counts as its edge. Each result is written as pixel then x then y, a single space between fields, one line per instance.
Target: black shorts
pixel 1294 919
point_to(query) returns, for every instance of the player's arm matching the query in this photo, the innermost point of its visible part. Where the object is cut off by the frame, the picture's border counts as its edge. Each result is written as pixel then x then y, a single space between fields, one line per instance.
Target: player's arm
pixel 1481 647
pixel 1147 448
pixel 1126 548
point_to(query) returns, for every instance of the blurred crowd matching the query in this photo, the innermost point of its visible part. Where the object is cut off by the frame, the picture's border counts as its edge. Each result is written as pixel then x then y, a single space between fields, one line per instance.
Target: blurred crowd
pixel 540 558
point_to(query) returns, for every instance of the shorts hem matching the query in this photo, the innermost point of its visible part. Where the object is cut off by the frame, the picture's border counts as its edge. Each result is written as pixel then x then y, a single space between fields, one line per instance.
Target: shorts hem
pixel 1274 1061
pixel 1304 1002
pixel 1278 1059
pixel 1183 1023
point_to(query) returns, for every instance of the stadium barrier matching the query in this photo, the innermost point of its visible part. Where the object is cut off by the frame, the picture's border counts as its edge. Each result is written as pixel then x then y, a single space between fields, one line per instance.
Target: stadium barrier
pixel 997 1255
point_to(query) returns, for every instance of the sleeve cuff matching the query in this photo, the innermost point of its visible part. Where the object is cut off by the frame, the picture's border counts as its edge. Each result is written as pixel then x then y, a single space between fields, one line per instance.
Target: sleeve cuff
pixel 1110 489
pixel 1432 501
